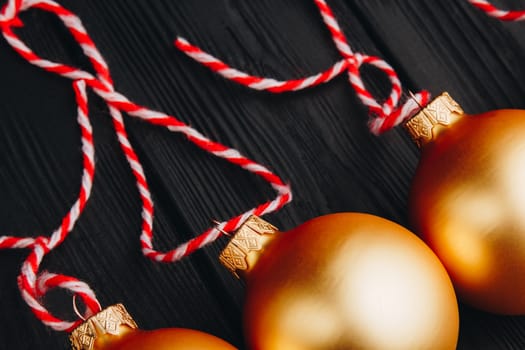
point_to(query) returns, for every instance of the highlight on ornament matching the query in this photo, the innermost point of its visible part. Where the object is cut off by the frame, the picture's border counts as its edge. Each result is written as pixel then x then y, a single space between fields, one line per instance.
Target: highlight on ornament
pixel 342 281
pixel 468 200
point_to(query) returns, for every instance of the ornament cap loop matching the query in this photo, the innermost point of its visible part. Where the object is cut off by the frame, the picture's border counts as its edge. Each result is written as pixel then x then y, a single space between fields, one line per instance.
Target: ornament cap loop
pixel 247 245
pixel 114 320
pixel 438 115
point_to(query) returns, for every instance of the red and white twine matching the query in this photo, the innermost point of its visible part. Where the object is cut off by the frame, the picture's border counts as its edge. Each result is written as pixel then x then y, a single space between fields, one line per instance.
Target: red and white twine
pixel 495 12
pixel 386 115
pixel 32 286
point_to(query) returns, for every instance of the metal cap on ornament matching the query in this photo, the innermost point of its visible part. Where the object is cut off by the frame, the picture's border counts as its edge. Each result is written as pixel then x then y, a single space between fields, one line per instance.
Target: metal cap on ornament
pixel 439 114
pixel 112 321
pixel 245 248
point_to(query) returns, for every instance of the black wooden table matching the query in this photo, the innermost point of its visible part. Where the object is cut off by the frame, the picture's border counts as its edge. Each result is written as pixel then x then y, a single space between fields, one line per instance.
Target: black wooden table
pixel 317 140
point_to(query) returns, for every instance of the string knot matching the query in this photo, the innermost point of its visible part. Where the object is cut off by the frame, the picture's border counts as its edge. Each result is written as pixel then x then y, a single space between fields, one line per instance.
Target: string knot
pixel 354 61
pixel 383 112
pixel 399 114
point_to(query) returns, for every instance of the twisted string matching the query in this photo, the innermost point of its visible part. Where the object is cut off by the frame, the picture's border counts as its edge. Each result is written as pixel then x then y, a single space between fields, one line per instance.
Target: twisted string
pixel 33 287
pixel 386 115
pixel 495 12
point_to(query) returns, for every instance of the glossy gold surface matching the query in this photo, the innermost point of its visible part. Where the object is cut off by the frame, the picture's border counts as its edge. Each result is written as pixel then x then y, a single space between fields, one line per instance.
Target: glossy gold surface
pixel 350 281
pixel 468 203
pixel 162 339
pixel 114 329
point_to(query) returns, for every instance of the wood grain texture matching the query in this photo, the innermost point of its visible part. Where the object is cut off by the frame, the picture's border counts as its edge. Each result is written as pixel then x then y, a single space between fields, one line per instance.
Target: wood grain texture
pixel 317 140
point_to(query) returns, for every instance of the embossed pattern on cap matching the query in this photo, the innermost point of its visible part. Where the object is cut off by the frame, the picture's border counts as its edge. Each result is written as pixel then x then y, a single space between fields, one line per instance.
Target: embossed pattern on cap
pixel 251 237
pixel 106 321
pixel 443 110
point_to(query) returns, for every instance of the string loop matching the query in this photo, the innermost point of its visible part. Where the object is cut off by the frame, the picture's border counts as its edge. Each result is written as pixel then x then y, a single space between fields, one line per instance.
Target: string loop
pixel 34 286
pixel 384 115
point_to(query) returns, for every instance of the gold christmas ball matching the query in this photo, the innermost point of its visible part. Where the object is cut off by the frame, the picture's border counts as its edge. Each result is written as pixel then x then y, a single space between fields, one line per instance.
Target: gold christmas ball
pixel 468 203
pixel 349 281
pixel 164 339
pixel 114 329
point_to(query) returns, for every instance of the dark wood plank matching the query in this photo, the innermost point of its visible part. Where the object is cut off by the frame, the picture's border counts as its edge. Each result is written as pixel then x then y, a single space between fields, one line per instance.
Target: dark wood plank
pixel 317 140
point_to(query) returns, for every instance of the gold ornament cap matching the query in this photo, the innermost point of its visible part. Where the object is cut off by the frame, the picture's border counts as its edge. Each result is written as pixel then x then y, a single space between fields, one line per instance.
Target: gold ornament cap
pixel 247 244
pixel 438 115
pixel 113 320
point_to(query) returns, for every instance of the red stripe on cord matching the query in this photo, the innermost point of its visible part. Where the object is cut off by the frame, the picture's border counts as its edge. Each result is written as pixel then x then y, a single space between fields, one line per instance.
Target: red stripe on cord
pixel 247 80
pixel 166 122
pixel 195 243
pixel 9 242
pixel 208 145
pixel 233 223
pixel 260 209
